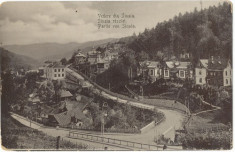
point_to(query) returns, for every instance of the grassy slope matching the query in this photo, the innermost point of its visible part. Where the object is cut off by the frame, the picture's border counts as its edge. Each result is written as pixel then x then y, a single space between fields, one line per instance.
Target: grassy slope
pixel 18 136
pixel 205 121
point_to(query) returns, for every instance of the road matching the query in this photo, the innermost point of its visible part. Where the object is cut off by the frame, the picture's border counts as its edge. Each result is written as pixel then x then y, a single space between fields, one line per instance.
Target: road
pixel 63 133
pixel 174 119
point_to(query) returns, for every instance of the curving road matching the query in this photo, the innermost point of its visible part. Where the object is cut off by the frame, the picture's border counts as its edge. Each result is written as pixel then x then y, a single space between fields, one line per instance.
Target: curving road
pixel 174 119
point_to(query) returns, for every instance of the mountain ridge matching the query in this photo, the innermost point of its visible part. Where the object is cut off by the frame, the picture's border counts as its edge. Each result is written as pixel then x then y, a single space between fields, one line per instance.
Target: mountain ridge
pixel 54 50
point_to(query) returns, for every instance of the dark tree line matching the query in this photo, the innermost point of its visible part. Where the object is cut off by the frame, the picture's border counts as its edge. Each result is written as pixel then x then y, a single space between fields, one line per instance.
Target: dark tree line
pixel 201 33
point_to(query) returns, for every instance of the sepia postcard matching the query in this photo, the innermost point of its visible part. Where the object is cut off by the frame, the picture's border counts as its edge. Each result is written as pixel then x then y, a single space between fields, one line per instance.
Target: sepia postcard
pixel 116 75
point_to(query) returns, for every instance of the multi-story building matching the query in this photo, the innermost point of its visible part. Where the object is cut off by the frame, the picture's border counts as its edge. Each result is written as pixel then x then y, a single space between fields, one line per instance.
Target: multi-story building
pixel 80 59
pixel 219 72
pixel 55 71
pixel 92 56
pixel 213 71
pixel 201 71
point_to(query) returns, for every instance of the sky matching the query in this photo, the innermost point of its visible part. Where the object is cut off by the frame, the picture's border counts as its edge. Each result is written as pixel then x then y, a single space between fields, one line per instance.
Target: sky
pixel 65 22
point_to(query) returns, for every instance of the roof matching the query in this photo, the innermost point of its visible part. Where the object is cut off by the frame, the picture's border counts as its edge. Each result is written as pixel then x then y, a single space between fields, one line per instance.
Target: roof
pixel 204 63
pixel 153 64
pixel 217 64
pixel 36 99
pixel 74 104
pixel 56 65
pixel 64 118
pixel 177 64
pixel 46 109
pixel 80 55
pixel 65 93
pixel 149 64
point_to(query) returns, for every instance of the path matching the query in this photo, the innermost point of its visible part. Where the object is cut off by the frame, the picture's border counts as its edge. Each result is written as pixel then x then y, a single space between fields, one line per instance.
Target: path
pixel 63 133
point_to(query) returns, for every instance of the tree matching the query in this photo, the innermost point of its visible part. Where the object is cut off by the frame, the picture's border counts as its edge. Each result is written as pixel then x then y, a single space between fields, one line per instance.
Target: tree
pixel 46 91
pixel 8 92
pixel 72 59
pixel 58 87
pixel 63 61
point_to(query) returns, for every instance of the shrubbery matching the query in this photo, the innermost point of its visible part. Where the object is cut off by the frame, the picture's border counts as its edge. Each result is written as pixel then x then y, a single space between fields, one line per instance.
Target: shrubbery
pixel 209 140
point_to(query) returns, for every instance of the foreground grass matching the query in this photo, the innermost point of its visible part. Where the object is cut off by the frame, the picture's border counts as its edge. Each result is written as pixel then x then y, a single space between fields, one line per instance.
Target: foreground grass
pixel 18 136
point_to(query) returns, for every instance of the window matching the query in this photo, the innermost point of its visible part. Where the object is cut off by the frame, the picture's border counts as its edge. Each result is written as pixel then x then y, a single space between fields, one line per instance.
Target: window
pixel 62 70
pixel 230 72
pixel 226 81
pixel 55 75
pixel 62 75
pixel 166 73
pixel 55 70
pixel 151 72
pixel 200 80
pixel 58 70
pixel 182 74
pixel 58 75
pixel 200 72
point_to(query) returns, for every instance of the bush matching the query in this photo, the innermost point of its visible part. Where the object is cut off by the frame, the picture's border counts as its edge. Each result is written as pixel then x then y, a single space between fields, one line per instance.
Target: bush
pixel 209 140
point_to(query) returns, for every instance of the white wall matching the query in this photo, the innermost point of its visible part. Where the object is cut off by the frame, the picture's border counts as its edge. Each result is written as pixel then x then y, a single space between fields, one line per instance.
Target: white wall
pixel 227 78
pixel 201 76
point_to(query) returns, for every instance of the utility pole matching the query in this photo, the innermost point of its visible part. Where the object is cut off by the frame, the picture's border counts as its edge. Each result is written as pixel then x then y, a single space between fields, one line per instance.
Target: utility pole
pixel 102 120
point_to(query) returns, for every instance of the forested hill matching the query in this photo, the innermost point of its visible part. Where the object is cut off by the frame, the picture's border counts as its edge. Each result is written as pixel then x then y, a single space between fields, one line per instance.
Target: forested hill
pixel 11 60
pixel 202 33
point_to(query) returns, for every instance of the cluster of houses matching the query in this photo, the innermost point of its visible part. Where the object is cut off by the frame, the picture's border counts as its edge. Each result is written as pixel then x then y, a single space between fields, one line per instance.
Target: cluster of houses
pixel 95 62
pixel 71 111
pixel 212 71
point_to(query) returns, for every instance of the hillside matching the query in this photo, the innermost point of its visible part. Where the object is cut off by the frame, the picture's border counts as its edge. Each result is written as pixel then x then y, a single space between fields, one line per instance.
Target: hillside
pixel 55 51
pixel 15 61
pixel 201 33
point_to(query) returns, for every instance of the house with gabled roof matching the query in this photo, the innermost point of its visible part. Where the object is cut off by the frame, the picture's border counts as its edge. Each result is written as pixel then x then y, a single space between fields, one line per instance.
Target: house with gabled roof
pixel 150 69
pixel 64 119
pixel 214 71
pixel 219 72
pixel 177 69
pixel 80 59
